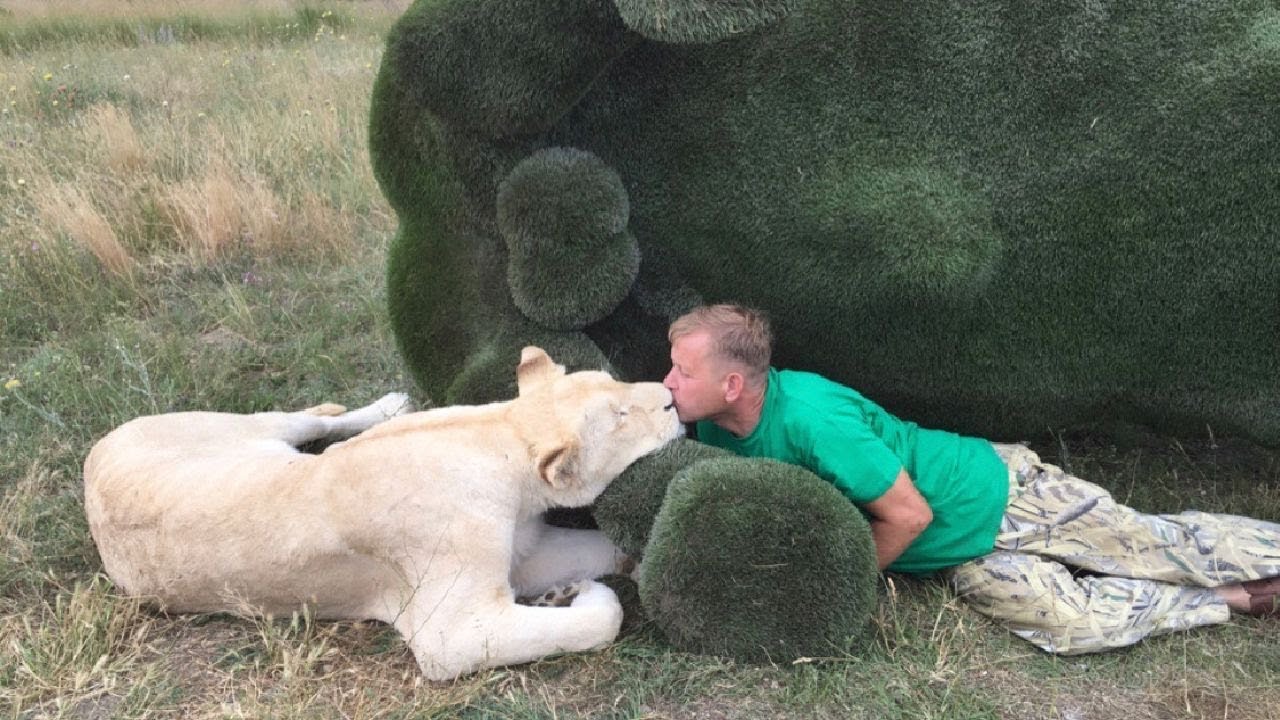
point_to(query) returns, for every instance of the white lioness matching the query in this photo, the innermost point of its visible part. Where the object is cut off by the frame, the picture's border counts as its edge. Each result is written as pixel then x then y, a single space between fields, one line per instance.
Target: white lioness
pixel 430 521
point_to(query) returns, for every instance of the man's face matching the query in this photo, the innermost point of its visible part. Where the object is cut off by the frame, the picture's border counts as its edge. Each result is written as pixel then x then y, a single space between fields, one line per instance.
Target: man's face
pixel 696 380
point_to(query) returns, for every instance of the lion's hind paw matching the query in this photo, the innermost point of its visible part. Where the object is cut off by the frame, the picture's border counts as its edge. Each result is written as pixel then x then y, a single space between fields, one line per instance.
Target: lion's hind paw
pixel 393 404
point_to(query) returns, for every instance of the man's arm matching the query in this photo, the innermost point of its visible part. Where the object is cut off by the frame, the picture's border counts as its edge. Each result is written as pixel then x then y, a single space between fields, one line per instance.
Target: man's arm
pixel 898 518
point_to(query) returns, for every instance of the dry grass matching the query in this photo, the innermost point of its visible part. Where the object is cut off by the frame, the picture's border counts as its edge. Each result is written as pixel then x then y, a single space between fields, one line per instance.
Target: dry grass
pixel 223 210
pixel 74 646
pixel 25 9
pixel 18 518
pixel 134 9
pixel 65 207
pixel 208 214
pixel 187 154
pixel 110 130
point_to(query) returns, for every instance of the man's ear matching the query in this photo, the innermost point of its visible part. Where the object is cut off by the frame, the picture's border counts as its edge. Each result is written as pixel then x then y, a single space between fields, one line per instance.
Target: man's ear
pixel 535 369
pixel 734 384
pixel 558 465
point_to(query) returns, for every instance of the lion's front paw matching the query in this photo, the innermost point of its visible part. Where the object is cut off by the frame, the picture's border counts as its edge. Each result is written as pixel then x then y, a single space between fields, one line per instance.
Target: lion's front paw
pixel 583 593
pixel 595 594
pixel 561 596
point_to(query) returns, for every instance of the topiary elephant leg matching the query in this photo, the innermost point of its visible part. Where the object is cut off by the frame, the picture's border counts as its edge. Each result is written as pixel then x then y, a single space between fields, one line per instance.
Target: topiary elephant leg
pixel 744 557
pixel 759 560
pixel 571 260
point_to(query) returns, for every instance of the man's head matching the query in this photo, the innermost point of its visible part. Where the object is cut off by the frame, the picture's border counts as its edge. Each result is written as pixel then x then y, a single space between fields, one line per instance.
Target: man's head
pixel 719 354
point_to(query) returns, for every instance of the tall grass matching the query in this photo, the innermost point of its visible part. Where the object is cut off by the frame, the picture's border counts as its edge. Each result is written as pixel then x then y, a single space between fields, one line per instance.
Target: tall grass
pixel 72 645
pixel 27 25
pixel 190 222
pixel 126 162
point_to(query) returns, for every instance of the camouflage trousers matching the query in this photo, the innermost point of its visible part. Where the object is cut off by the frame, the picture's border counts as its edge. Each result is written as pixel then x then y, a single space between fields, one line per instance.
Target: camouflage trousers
pixel 1075 572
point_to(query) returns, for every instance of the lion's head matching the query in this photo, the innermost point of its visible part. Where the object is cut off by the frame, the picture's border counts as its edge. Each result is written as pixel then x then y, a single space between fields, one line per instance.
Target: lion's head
pixel 586 427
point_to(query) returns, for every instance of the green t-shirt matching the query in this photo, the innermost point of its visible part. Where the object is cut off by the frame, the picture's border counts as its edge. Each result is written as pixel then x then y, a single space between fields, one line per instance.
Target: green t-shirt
pixel 860 448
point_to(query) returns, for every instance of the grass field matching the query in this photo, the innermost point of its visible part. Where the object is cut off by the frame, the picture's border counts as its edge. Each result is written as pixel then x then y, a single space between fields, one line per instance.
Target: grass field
pixel 188 221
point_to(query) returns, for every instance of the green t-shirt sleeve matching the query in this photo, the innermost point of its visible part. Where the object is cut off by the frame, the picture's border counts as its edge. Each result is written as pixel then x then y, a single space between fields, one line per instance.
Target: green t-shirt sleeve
pixel 850 456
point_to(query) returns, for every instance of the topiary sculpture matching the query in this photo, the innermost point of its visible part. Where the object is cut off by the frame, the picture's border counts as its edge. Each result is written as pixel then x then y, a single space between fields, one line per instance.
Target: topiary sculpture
pixel 992 217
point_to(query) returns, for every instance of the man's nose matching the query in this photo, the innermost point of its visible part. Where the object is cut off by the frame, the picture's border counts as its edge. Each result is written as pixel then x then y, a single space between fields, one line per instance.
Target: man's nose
pixel 669 382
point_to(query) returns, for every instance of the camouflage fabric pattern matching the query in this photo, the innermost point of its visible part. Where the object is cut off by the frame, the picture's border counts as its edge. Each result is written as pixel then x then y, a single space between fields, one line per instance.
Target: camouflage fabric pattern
pixel 1075 572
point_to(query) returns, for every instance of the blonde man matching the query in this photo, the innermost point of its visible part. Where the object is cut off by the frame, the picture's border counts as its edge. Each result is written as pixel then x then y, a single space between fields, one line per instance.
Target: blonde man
pixel 1004 527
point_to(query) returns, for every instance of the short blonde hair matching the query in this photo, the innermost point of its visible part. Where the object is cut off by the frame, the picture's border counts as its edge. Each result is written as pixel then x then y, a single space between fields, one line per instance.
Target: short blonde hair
pixel 738 333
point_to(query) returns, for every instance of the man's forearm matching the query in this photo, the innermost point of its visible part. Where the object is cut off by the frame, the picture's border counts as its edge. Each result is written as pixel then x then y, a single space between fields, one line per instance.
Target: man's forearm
pixel 897 519
pixel 891 540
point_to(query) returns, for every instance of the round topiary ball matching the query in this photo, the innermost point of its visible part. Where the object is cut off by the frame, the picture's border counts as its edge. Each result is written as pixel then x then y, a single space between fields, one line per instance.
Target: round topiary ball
pixel 759 560
pixel 625 511
pixel 563 214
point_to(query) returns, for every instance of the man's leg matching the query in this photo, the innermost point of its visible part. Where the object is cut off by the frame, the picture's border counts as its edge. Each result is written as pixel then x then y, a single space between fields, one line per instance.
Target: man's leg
pixel 1039 600
pixel 1057 515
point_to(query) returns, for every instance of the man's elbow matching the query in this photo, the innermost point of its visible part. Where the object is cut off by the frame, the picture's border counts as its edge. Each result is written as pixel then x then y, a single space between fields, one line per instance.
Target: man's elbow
pixel 918 520
pixel 910 521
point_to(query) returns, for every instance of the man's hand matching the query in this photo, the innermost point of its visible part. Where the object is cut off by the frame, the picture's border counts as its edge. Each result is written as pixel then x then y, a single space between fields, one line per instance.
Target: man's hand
pixel 898 518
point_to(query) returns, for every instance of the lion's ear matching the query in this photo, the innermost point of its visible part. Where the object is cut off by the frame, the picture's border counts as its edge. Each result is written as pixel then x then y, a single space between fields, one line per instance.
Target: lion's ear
pixel 558 466
pixel 536 367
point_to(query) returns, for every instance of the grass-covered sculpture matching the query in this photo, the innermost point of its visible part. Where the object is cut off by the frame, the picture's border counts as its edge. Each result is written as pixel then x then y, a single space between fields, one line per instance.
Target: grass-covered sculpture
pixel 992 217
pixel 753 559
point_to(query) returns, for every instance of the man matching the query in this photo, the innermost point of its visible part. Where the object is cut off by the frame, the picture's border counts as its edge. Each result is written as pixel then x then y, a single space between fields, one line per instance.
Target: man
pixel 1006 529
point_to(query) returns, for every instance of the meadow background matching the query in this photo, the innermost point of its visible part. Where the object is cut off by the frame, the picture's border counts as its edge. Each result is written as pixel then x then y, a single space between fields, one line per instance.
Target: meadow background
pixel 188 220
